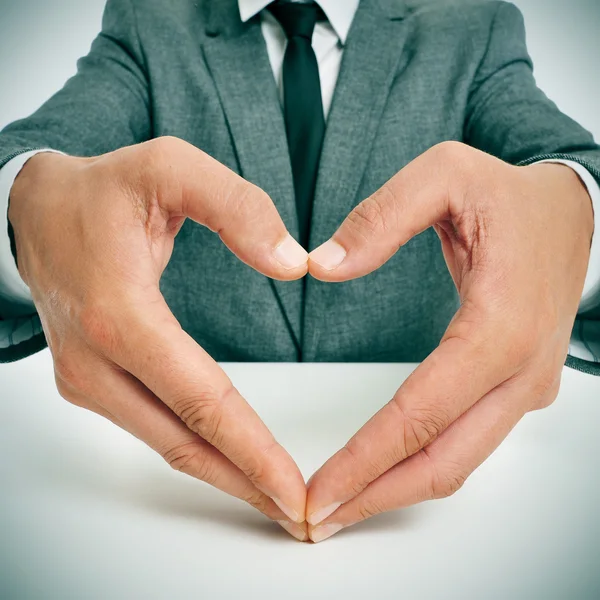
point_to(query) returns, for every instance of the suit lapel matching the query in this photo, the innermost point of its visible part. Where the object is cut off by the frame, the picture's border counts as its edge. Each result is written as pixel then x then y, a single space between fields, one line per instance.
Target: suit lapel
pixel 370 62
pixel 236 56
pixel 372 59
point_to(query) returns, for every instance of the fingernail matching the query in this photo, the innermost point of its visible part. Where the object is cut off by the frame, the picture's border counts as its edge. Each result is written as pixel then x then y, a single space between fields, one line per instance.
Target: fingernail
pixel 294 530
pixel 329 255
pixel 290 513
pixel 323 532
pixel 290 254
pixel 322 513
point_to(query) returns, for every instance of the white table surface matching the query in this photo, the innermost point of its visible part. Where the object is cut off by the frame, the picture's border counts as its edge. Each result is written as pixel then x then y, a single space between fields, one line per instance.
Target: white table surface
pixel 88 512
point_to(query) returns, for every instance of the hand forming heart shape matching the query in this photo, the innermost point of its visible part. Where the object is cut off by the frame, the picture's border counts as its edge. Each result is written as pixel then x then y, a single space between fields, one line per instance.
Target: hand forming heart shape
pixel 516 241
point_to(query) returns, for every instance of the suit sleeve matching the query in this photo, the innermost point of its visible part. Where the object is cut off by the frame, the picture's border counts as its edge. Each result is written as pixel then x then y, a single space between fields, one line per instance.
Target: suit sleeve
pixel 508 116
pixel 105 106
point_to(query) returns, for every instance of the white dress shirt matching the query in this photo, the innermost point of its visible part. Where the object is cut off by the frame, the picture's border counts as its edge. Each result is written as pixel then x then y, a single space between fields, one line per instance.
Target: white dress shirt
pixel 328 43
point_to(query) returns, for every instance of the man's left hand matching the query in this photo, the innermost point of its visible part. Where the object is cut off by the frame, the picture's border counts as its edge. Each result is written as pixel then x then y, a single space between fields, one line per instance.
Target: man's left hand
pixel 516 241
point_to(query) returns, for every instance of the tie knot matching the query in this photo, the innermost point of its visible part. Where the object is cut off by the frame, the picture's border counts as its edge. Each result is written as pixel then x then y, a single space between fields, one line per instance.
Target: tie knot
pixel 298 19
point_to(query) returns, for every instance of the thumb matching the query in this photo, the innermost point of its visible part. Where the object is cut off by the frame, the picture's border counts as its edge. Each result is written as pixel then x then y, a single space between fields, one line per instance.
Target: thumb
pixel 414 199
pixel 244 216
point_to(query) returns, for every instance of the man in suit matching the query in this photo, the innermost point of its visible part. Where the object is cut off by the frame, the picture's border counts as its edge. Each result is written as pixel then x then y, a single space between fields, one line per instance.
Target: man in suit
pixel 331 147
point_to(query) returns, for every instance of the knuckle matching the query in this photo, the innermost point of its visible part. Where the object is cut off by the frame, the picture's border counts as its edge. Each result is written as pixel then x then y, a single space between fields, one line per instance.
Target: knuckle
pixel 555 387
pixel 63 369
pixel 257 499
pixel 357 486
pixel 370 507
pixel 371 469
pixel 413 437
pixel 424 424
pixel 443 482
pixel 164 146
pixel 246 196
pixel 452 152
pixel 154 157
pixel 545 389
pixel 461 160
pixel 254 470
pixel 546 380
pixel 370 218
pixel 202 467
pixel 67 374
pixel 243 203
pixel 191 459
pixel 447 484
pixel 419 426
pixel 67 391
pixel 61 385
pixel 201 412
pixel 543 402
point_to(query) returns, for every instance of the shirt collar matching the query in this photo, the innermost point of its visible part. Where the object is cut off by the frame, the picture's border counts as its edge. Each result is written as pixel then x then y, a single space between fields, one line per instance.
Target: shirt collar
pixel 339 13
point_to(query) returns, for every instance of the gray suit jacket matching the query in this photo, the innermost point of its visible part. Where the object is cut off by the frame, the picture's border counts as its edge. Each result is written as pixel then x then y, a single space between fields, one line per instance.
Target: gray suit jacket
pixel 413 75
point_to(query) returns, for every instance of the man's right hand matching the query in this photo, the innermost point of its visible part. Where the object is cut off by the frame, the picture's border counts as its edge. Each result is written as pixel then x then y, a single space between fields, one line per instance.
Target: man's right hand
pixel 93 236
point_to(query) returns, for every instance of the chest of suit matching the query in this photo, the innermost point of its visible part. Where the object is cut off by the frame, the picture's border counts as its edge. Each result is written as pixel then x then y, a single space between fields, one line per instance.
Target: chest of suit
pixel 397 95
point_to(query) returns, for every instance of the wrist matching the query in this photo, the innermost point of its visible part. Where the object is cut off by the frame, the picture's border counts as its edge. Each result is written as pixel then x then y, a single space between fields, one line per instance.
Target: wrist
pixel 32 182
pixel 566 181
pixel 32 176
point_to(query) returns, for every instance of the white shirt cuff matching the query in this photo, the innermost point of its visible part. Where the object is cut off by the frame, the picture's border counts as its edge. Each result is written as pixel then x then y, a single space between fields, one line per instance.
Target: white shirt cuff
pixel 13 289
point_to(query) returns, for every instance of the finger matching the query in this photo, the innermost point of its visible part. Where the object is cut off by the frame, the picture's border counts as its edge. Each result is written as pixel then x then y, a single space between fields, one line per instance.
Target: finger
pixel 125 401
pixel 450 381
pixel 191 384
pixel 410 202
pixel 244 216
pixel 187 453
pixel 147 418
pixel 440 469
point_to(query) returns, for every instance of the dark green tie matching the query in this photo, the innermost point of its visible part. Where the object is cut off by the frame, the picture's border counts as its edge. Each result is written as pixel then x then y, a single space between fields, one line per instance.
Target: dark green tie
pixel 302 103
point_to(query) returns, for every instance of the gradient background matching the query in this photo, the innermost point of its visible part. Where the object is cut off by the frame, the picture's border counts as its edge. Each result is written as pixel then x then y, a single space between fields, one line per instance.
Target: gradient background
pixel 40 41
